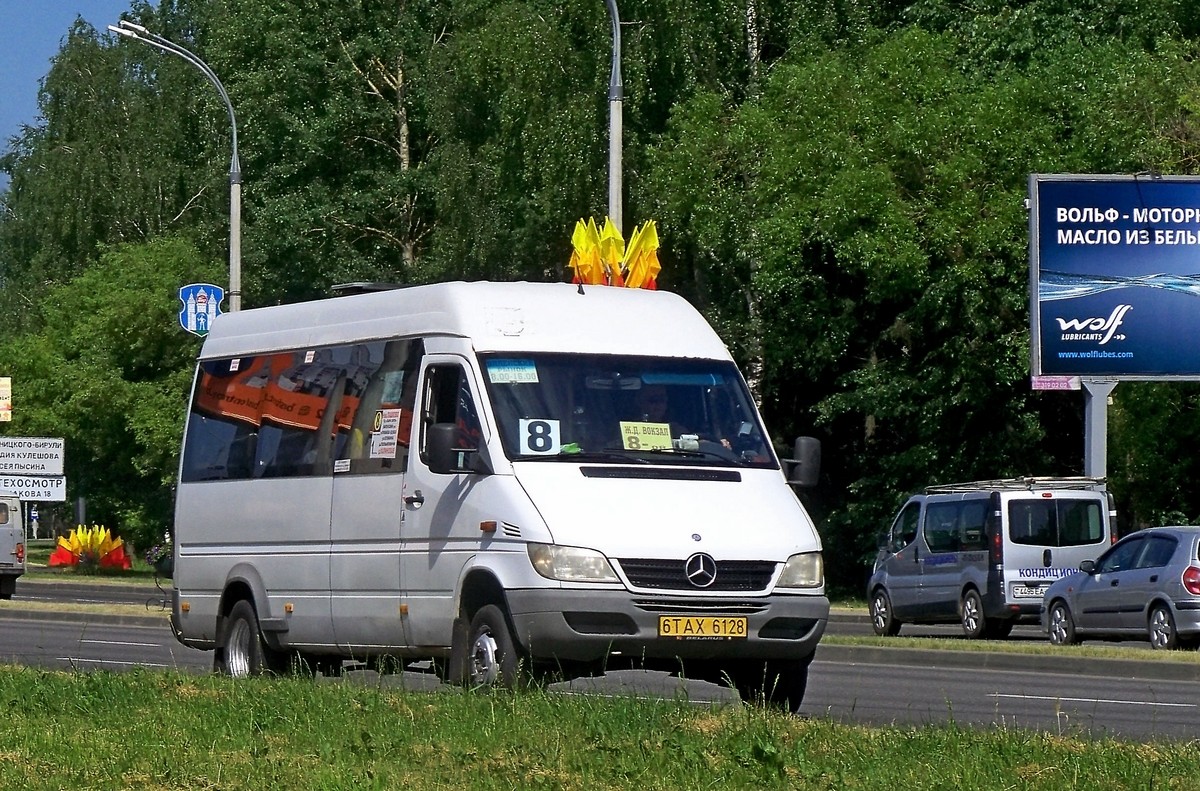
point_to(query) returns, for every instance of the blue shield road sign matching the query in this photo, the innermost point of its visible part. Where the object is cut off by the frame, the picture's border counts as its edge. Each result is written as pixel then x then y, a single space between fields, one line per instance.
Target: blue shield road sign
pixel 201 304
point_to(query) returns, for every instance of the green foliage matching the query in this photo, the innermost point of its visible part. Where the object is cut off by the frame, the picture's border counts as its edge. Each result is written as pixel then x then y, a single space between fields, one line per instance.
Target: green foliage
pixel 875 194
pixel 109 371
pixel 839 186
pixel 113 162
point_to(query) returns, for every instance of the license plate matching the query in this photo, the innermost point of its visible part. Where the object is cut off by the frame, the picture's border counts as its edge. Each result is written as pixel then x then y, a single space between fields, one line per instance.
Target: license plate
pixel 686 627
pixel 1027 591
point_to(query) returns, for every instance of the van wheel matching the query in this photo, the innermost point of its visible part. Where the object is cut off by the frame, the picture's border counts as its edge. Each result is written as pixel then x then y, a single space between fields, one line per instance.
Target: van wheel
pixel 882 620
pixel 973 623
pixel 493 658
pixel 8 586
pixel 1162 628
pixel 1062 625
pixel 241 651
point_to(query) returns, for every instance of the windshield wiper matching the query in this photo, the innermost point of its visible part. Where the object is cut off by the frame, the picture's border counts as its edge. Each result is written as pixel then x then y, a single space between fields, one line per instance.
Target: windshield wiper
pixel 695 454
pixel 613 454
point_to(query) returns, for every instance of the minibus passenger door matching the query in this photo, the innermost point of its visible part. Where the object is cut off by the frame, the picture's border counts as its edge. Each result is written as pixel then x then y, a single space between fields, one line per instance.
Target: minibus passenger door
pixel 441 529
pixel 903 561
pixel 374 435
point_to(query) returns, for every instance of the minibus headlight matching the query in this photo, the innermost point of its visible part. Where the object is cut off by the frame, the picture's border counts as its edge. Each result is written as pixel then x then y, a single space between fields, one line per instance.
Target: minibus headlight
pixel 806 570
pixel 571 564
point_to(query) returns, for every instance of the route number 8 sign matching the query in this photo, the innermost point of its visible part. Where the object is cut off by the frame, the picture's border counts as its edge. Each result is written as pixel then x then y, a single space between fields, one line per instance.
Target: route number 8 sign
pixel 540 436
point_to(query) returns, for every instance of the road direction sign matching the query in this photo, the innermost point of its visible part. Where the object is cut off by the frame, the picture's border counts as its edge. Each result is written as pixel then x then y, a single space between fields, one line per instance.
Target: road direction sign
pixel 32 455
pixel 36 488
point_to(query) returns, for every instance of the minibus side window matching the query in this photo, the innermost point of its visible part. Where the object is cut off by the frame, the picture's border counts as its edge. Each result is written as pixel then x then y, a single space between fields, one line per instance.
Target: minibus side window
pixel 295 432
pixel 941 527
pixel 448 399
pixel 973 525
pixel 3 513
pixel 904 529
pixel 374 425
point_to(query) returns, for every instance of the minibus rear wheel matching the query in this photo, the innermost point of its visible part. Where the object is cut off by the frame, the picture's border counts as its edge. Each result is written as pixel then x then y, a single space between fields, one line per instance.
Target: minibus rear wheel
pixel 974 624
pixel 241 650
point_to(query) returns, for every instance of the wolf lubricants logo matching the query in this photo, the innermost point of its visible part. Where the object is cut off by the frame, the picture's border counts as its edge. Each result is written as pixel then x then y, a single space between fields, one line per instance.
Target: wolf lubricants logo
pixel 1095 329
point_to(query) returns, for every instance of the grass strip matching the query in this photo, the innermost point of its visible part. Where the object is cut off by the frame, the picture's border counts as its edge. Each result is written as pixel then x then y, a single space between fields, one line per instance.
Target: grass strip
pixel 147 730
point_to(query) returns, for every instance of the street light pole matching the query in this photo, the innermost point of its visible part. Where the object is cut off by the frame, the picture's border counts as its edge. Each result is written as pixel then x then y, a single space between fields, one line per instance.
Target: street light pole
pixel 616 95
pixel 128 29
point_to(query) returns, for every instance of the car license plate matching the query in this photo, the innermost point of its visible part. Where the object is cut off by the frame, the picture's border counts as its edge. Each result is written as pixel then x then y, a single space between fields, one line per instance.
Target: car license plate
pixel 1027 591
pixel 721 627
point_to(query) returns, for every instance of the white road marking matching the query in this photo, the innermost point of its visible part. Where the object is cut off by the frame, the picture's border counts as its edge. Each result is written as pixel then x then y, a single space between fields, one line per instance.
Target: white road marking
pixel 120 642
pixel 1093 700
pixel 109 662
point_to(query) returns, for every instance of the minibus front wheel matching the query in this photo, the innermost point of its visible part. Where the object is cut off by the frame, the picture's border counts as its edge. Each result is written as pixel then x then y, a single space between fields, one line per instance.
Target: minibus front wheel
pixel 493 657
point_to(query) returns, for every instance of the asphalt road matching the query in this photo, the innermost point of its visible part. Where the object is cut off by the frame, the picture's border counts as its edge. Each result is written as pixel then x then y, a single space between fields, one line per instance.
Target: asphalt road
pixel 1124 698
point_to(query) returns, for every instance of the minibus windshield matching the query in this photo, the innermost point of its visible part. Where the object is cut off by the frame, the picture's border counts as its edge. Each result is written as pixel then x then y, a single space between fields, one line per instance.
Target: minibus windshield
pixel 643 410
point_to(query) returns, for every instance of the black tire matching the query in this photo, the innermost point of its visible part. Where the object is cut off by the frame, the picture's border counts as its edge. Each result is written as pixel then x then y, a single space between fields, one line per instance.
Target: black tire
pixel 241 651
pixel 493 658
pixel 776 683
pixel 8 586
pixel 998 628
pixel 883 621
pixel 974 624
pixel 1161 628
pixel 1062 624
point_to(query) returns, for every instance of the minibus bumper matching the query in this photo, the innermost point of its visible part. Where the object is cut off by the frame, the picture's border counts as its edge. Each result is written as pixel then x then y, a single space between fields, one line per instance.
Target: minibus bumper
pixel 588 626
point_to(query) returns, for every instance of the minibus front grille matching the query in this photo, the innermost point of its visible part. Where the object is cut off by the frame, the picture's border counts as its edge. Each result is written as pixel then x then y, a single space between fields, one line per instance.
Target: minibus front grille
pixel 700 607
pixel 731 575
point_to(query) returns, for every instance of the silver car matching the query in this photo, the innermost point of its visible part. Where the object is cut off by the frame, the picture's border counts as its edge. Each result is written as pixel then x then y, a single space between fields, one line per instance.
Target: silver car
pixel 1146 586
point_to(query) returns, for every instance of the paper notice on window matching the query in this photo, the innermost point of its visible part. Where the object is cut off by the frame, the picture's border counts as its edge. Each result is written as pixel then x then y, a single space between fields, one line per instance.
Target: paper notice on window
pixel 645 436
pixel 385 434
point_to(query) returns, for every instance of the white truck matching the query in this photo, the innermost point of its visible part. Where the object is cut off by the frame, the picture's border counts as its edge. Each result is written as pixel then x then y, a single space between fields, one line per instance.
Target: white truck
pixel 12 543
pixel 476 473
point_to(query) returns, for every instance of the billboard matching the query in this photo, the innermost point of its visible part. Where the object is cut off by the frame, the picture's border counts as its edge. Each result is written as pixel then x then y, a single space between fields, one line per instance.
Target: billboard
pixel 1115 276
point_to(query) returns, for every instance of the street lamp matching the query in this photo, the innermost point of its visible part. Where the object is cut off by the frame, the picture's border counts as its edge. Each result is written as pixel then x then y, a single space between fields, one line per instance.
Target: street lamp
pixel 616 94
pixel 138 33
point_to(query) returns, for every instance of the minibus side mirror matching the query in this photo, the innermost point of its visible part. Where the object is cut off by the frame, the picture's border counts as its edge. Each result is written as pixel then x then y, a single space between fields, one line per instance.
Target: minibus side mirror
pixel 447 459
pixel 1088 567
pixel 805 464
pixel 881 542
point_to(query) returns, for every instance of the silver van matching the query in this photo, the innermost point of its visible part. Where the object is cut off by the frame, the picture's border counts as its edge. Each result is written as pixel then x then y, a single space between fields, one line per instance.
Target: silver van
pixel 12 544
pixel 983 553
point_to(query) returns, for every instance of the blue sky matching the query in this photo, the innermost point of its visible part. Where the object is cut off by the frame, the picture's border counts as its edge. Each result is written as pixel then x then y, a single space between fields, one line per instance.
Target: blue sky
pixel 31 32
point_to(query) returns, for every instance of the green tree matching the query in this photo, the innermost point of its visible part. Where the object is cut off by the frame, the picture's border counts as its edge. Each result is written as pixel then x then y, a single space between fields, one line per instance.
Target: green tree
pixel 861 229
pixel 110 371
pixel 114 161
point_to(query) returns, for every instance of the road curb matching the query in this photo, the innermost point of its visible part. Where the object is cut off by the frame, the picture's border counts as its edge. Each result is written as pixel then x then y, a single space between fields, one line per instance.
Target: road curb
pixel 1003 660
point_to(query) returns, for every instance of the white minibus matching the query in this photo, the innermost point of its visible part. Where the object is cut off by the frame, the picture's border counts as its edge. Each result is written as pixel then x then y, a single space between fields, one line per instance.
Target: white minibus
pixel 504 478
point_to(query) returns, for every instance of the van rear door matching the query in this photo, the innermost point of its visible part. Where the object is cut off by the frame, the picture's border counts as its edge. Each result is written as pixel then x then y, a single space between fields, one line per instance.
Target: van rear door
pixel 1049 535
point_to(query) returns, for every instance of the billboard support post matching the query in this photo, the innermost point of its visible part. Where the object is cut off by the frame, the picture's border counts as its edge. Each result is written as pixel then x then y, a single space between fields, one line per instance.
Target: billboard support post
pixel 1114 287
pixel 1095 428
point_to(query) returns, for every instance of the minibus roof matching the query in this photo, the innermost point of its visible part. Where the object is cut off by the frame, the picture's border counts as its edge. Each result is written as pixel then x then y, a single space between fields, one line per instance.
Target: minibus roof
pixel 496 317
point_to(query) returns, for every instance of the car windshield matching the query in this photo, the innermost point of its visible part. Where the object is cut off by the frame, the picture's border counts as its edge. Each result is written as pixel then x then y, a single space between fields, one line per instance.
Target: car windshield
pixel 640 410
